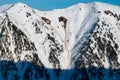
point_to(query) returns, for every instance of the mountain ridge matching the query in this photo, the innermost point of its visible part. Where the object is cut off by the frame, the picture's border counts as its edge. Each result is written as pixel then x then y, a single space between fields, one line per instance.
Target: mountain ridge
pixel 83 38
pixel 21 3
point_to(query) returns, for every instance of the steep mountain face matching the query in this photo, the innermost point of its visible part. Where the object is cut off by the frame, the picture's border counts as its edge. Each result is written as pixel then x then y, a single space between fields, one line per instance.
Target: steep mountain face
pixel 80 42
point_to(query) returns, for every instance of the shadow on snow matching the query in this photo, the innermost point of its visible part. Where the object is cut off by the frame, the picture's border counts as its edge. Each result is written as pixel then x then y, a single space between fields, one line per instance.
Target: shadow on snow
pixel 22 70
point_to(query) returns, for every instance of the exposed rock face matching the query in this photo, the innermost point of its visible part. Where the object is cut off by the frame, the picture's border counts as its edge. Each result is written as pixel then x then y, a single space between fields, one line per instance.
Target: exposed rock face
pixel 85 47
pixel 64 20
pixel 46 20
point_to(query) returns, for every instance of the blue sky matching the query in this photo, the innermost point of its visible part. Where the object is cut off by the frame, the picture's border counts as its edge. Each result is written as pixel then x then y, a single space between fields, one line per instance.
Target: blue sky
pixel 54 4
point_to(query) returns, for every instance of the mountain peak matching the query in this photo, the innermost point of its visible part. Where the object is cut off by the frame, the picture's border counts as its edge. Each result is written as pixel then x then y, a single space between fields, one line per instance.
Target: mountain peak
pixel 20 4
pixel 7 7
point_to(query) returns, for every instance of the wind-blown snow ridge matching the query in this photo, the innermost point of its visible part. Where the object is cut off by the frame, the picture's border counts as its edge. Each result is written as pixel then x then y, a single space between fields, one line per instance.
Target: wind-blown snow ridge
pixel 5 8
pixel 77 42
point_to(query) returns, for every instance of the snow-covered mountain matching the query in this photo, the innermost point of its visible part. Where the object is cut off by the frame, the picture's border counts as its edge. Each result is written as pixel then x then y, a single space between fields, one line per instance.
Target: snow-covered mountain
pixel 81 42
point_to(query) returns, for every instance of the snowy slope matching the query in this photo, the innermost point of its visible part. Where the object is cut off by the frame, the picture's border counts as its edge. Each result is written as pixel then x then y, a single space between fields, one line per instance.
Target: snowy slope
pixel 63 44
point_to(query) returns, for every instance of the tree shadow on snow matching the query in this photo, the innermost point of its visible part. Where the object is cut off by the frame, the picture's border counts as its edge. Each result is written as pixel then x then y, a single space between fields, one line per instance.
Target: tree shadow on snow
pixel 23 70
